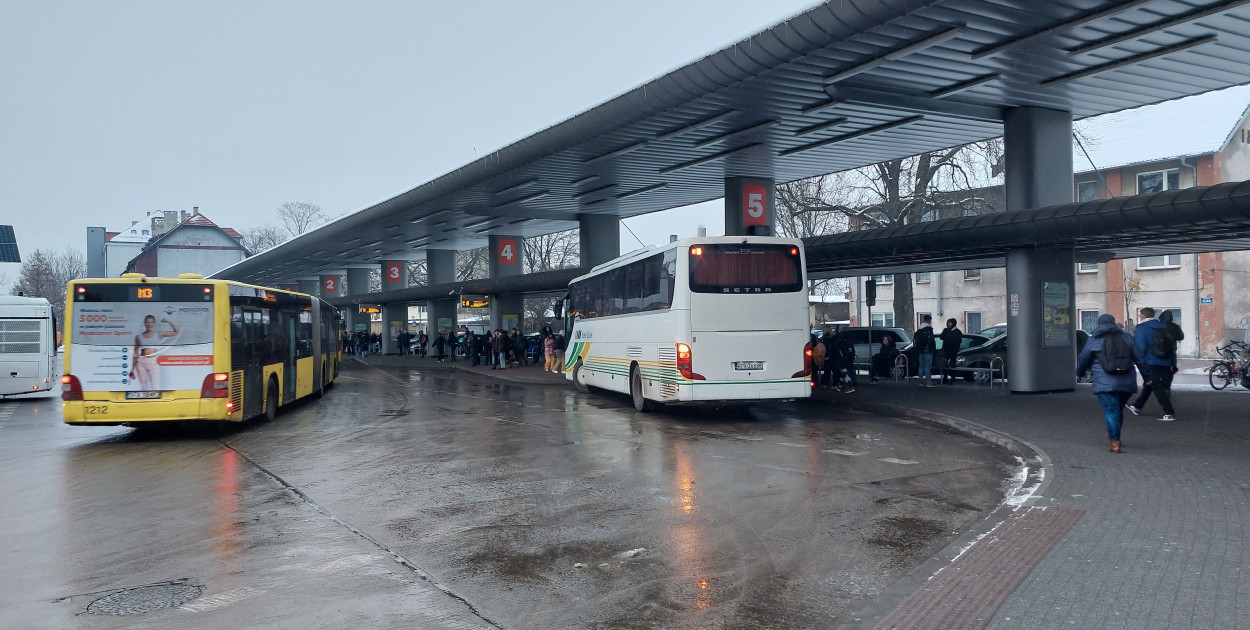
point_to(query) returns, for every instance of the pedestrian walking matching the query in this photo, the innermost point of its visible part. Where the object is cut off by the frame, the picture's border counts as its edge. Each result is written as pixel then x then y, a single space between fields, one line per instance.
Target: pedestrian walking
pixel 829 373
pixel 925 347
pixel 1157 338
pixel 1110 355
pixel 883 360
pixel 952 338
pixel 423 340
pixel 518 347
pixel 549 352
pixel 818 357
pixel 844 357
pixel 440 347
pixel 402 340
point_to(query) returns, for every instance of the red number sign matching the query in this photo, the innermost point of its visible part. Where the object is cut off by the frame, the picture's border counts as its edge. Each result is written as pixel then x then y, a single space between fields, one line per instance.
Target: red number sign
pixel 394 273
pixel 329 284
pixel 754 205
pixel 507 251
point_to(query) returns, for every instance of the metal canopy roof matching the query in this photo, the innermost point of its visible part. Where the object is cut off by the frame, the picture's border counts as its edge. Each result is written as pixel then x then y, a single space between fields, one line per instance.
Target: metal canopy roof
pixel 846 84
pixel 1205 219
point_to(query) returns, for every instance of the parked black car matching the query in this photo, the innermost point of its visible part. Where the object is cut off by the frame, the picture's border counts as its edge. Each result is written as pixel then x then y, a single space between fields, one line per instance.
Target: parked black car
pixel 981 356
pixel 970 340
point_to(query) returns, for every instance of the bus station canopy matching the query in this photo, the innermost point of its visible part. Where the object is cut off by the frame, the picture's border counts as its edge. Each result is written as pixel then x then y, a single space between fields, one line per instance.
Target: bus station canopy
pixel 845 84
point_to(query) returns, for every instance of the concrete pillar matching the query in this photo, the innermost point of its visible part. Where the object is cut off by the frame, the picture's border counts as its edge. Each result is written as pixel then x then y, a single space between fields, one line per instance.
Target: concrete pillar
pixel 394 321
pixel 1041 315
pixel 311 287
pixel 600 237
pixel 357 284
pixel 441 267
pixel 331 286
pixel 506 261
pixel 749 206
pixel 394 275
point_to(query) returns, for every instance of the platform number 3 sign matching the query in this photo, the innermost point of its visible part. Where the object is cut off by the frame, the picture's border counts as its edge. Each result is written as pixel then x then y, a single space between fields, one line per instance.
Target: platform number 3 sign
pixel 754 205
pixel 394 273
pixel 507 251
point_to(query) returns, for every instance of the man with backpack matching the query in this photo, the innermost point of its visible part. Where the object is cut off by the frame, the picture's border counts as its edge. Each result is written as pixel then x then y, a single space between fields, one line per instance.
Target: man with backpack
pixel 1110 356
pixel 1157 338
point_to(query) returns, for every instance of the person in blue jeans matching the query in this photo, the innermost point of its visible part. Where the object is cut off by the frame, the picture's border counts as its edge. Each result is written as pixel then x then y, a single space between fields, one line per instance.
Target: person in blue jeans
pixel 925 347
pixel 1113 390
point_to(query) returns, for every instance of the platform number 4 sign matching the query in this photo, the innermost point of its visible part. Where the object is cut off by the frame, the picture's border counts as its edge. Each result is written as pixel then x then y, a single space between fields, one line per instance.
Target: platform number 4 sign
pixel 507 251
pixel 394 273
pixel 754 205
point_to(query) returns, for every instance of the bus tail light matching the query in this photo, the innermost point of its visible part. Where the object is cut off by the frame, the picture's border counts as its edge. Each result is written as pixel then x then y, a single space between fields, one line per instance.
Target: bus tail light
pixel 216 386
pixel 807 363
pixel 685 362
pixel 71 388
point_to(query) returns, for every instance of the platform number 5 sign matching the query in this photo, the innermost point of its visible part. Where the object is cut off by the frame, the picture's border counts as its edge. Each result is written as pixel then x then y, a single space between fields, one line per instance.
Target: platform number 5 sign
pixel 507 251
pixel 394 273
pixel 754 205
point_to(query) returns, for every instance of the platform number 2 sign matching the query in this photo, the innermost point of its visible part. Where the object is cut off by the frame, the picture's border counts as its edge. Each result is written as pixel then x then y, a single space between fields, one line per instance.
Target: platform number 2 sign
pixel 393 272
pixel 329 284
pixel 754 205
pixel 507 251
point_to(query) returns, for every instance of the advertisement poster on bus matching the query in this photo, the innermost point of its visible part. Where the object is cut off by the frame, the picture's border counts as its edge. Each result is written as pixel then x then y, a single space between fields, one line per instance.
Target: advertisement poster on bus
pixel 149 346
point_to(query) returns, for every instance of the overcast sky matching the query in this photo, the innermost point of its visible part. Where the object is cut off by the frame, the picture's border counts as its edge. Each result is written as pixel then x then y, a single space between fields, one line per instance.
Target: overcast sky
pixel 115 109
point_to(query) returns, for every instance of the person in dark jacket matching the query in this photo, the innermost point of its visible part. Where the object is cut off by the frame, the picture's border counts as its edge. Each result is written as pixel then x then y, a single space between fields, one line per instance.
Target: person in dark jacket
pixel 925 347
pixel 952 338
pixel 883 360
pixel 499 350
pixel 1161 368
pixel 829 372
pixel 440 347
pixel 844 357
pixel 1113 390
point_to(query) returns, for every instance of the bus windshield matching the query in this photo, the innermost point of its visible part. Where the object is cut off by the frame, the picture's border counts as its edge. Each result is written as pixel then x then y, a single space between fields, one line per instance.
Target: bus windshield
pixel 142 336
pixel 745 268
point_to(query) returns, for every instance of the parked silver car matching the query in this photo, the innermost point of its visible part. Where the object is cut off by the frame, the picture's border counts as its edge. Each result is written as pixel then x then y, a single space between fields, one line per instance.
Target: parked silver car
pixel 860 337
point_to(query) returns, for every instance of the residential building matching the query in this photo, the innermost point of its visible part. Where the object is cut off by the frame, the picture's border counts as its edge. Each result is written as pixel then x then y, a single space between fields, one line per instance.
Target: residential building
pixel 1200 140
pixel 163 244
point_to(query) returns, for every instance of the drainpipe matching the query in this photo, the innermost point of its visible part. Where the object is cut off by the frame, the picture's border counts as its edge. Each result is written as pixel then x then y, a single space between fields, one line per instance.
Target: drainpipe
pixel 937 287
pixel 1197 295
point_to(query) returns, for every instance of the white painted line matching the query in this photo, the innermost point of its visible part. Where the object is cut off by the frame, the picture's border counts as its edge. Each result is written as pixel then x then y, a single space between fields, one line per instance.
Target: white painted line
pixel 354 561
pixel 836 451
pixel 223 599
pixel 792 444
pixel 891 460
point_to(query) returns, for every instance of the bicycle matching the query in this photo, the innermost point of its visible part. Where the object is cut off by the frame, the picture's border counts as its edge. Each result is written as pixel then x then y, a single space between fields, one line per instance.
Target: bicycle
pixel 1230 368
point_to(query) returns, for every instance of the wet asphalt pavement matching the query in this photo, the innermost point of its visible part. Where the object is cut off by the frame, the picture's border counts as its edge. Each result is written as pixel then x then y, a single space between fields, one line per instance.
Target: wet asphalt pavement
pixel 436 499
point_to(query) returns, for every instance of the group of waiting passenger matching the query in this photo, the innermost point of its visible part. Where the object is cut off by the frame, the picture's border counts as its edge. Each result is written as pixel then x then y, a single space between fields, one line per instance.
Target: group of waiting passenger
pixel 834 356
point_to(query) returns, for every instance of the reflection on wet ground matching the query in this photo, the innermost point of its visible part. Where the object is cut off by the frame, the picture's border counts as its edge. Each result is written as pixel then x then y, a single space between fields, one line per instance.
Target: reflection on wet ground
pixel 533 506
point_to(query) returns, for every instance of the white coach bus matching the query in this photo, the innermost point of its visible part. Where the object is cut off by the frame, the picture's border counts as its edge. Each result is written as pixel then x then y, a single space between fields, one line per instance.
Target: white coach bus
pixel 700 320
pixel 27 345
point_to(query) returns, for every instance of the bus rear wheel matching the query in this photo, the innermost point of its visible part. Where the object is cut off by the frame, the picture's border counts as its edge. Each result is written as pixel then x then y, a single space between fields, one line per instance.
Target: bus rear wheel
pixel 641 404
pixel 271 401
pixel 579 378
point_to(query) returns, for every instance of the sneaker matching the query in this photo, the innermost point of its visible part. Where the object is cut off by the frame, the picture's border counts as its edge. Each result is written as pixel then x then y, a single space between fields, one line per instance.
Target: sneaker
pixel 1134 410
pixel 872 381
pixel 1168 418
pixel 849 390
pixel 837 388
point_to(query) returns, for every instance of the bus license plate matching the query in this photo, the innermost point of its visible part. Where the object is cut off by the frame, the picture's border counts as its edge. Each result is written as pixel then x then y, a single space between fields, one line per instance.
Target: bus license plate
pixel 751 366
pixel 142 395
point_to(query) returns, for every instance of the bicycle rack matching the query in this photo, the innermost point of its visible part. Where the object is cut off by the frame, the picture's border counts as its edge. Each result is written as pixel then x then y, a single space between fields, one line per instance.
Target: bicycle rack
pixel 1002 370
pixel 901 362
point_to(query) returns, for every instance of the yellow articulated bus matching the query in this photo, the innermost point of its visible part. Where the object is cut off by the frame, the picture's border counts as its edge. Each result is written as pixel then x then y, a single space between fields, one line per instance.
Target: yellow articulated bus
pixel 163 349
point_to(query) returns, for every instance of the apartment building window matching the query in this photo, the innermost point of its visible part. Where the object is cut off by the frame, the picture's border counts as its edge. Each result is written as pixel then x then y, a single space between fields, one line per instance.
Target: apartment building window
pixel 972 274
pixel 924 276
pixel 1087 267
pixel 972 321
pixel 1160 310
pixel 920 319
pixel 1089 320
pixel 886 278
pixel 1170 261
pixel 1086 191
pixel 883 319
pixel 1158 181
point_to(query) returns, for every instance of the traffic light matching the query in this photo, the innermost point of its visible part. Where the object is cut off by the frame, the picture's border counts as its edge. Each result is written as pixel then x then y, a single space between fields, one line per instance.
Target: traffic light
pixel 870 292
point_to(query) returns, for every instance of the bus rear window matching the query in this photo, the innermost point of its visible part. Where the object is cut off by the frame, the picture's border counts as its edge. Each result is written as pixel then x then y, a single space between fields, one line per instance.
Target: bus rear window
pixel 745 268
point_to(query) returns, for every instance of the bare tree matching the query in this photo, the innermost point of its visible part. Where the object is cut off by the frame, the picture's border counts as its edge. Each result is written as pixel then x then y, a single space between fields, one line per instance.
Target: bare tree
pixel 809 207
pixel 300 216
pixel 418 273
pixel 548 252
pixel 472 264
pixel 45 274
pixel 259 239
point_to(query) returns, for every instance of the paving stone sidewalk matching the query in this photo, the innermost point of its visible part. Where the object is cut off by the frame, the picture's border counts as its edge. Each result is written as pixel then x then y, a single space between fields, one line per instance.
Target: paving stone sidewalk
pixel 1162 540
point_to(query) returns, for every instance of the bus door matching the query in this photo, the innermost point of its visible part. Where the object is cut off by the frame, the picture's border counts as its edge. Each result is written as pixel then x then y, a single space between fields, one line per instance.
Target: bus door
pixel 253 376
pixel 288 362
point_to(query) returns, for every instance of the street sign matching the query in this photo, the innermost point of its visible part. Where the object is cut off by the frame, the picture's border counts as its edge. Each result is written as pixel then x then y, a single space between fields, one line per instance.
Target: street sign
pixel 1206 300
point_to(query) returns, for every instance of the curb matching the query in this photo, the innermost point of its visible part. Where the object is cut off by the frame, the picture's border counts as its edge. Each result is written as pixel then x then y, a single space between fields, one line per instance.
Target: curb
pixel 1039 472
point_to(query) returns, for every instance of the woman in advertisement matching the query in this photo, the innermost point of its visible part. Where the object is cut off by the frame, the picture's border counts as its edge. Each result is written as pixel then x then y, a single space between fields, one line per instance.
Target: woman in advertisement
pixel 145 368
